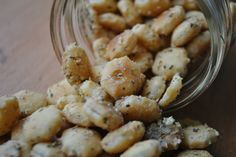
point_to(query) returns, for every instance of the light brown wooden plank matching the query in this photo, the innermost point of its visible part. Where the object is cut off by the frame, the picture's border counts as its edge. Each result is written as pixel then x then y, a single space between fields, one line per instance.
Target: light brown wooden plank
pixel 27 57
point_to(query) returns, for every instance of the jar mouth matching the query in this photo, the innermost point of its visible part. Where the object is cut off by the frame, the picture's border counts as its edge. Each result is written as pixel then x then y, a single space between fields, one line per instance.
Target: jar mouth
pixel 68 24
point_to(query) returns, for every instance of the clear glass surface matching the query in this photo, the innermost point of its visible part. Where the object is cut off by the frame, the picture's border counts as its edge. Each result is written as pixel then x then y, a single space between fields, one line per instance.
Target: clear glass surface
pixel 69 24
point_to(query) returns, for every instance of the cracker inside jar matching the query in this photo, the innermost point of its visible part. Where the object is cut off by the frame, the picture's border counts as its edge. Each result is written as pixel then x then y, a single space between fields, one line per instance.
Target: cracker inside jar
pixel 172 37
pixel 168 30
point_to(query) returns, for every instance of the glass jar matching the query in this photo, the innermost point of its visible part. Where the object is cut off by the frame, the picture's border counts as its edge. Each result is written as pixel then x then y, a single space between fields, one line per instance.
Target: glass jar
pixel 69 24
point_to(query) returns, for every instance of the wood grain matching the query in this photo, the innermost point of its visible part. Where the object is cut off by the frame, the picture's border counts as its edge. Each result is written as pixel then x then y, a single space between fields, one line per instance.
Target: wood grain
pixel 27 61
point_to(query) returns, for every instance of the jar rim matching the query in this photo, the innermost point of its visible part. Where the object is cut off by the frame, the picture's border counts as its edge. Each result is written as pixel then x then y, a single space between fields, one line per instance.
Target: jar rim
pixel 217 13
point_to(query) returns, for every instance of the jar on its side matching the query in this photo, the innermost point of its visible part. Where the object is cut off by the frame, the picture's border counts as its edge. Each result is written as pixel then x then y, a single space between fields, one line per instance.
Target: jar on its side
pixel 69 24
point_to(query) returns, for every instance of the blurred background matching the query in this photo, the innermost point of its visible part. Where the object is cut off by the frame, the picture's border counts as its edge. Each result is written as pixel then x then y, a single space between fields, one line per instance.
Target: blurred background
pixel 27 58
pixel 27 61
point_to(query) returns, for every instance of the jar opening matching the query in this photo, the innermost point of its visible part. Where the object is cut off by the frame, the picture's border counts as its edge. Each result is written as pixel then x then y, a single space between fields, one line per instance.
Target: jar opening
pixel 69 23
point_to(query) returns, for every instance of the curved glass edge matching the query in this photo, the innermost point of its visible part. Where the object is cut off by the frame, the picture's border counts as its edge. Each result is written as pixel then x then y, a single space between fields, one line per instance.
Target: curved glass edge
pixel 65 22
pixel 220 26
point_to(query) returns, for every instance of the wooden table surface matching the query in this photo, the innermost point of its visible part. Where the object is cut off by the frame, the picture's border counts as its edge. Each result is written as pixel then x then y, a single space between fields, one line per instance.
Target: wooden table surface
pixel 27 61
